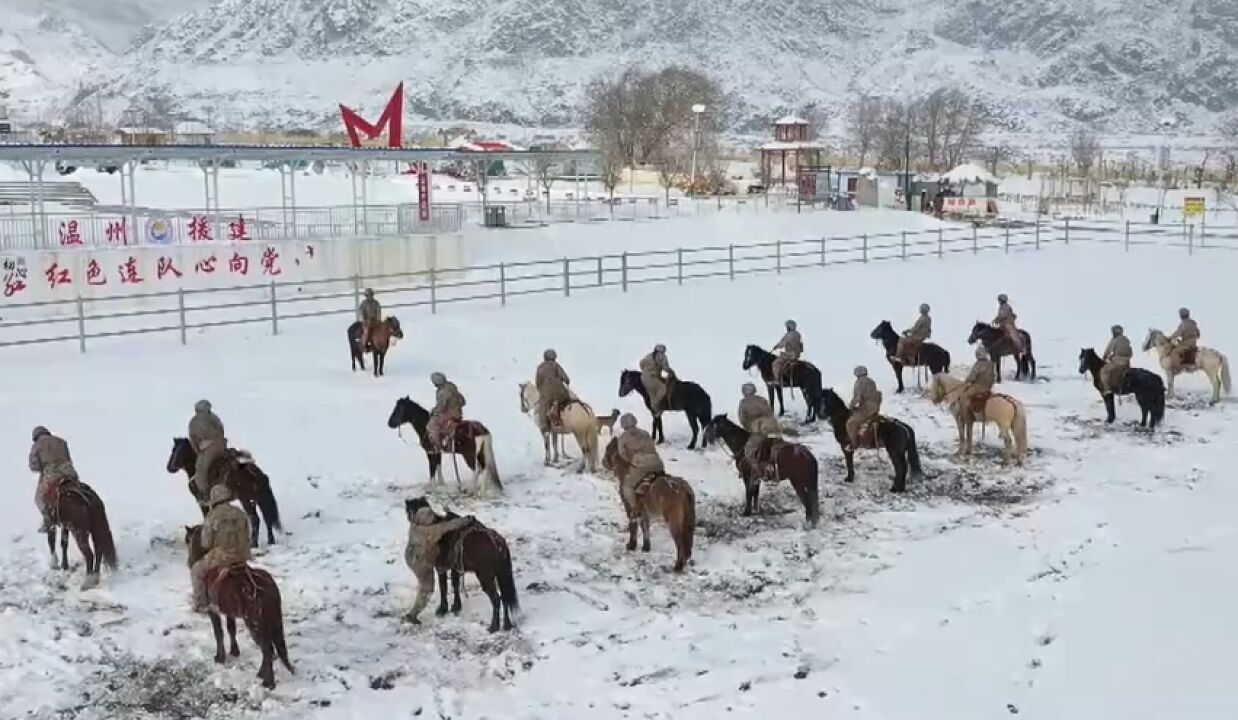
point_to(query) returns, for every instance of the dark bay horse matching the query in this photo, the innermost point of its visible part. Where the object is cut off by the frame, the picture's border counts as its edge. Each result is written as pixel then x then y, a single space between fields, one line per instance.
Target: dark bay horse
pixel 895 436
pixel 934 357
pixel 242 475
pixel 802 374
pixel 481 551
pixel 380 343
pixel 789 462
pixel 246 592
pixel 997 344
pixel 1148 388
pixel 471 440
pixel 80 511
pixel 667 496
pixel 681 396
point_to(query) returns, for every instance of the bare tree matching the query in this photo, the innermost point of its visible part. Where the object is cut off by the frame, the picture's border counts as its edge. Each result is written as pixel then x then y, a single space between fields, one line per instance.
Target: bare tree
pixel 1084 148
pixel 864 124
pixel 546 172
pixel 895 142
pixel 948 124
pixel 998 154
pixel 674 164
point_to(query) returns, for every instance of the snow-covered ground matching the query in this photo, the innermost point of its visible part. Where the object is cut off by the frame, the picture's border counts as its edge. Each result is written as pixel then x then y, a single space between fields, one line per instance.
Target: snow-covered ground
pixel 1093 583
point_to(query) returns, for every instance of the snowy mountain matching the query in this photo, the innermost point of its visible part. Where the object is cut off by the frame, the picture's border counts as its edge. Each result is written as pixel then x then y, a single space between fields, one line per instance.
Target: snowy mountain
pixel 1040 64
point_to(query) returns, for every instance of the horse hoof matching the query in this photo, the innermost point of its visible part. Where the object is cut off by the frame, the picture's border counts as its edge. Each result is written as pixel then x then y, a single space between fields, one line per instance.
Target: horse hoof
pixel 411 619
pixel 219 659
pixel 493 628
pixel 455 609
pixel 64 566
pixel 898 489
pixel 645 548
pixel 632 545
pixel 442 611
pixel 507 625
pixel 268 684
pixel 235 652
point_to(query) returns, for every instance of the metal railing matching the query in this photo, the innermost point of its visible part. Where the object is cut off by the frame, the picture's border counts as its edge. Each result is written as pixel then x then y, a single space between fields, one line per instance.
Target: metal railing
pixel 81 320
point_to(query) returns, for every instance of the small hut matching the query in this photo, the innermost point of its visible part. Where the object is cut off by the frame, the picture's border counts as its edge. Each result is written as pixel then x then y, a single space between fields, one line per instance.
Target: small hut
pixel 791 149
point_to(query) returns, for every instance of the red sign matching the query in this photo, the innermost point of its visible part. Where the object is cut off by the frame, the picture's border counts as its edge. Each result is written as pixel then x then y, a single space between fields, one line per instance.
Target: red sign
pixel 56 275
pixel 237 231
pixel 70 233
pixel 270 261
pixel 199 229
pixel 116 232
pixel 165 267
pixel 423 192
pixel 239 264
pixel 94 274
pixel 392 120
pixel 129 272
pixel 14 276
pixel 205 265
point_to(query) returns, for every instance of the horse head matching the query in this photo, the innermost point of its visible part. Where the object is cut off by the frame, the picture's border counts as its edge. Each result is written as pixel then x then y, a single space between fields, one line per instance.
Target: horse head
pixel 752 356
pixel 528 396
pixel 938 389
pixel 883 330
pixel 407 411
pixel 979 331
pixel 629 380
pixel 1155 339
pixel 181 455
pixel 831 402
pixel 1088 359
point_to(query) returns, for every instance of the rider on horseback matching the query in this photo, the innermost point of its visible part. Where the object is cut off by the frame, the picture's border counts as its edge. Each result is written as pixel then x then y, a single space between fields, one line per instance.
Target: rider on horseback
pixel 1185 340
pixel 206 435
pixel 424 533
pixel 865 404
pixel 977 386
pixel 1117 359
pixel 371 314
pixel 913 337
pixel 652 369
pixel 448 410
pixel 1005 321
pixel 49 457
pixel 792 347
pixel 551 381
pixel 638 450
pixel 757 417
pixel 225 537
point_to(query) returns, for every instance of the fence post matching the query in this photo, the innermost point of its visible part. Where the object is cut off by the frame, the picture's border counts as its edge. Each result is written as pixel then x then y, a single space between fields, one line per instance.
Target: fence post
pixel 274 311
pixel 1067 231
pixel 625 272
pixel 356 290
pixel 1007 239
pixel 941 241
pixel 1037 233
pixel 81 325
pixel 567 278
pixel 822 241
pixel 865 247
pixel 503 284
pixel 730 261
pixel 974 241
pixel 1190 241
pixel 1126 239
pixel 600 276
pixel 778 256
pixel 679 266
pixel 433 292
pixel 904 245
pixel 1203 229
pixel 180 310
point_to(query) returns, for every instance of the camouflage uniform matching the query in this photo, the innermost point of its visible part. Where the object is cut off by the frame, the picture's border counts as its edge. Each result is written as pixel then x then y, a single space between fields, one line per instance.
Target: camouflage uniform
pixel 225 536
pixel 914 337
pixel 1117 357
pixel 424 534
pixel 637 449
pixel 370 314
pixel 865 404
pixel 49 457
pixel 652 368
pixel 206 436
pixel 792 347
pixel 757 417
pixel 1185 339
pixel 551 381
pixel 448 410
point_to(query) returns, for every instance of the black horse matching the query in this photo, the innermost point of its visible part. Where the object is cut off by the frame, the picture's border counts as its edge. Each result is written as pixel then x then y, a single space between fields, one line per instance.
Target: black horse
pixel 790 461
pixel 681 396
pixel 801 374
pixel 932 356
pixel 895 436
pixel 997 344
pixel 241 474
pixel 1147 387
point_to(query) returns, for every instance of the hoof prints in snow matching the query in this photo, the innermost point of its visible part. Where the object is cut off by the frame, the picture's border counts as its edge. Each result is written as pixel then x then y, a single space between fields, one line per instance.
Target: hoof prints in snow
pixel 138 688
pixel 1094 428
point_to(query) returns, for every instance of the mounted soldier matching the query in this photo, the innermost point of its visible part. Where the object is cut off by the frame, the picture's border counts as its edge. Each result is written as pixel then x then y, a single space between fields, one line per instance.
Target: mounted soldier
pixel 225 537
pixel 370 313
pixel 1005 321
pixel 551 381
pixel 756 416
pixel 914 337
pixel 978 386
pixel 206 435
pixel 792 347
pixel 49 457
pixel 1185 340
pixel 865 404
pixel 447 413
pixel 1117 357
pixel 638 450
pixel 655 372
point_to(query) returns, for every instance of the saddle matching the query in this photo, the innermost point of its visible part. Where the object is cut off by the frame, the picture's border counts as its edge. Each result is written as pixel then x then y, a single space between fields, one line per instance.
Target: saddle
pixel 455 553
pixel 977 403
pixel 765 468
pixel 461 432
pixel 866 434
pixel 1187 358
pixel 788 372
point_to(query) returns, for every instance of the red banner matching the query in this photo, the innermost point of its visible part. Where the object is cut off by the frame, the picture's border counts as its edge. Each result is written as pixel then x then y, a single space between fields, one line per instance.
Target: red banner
pixel 423 191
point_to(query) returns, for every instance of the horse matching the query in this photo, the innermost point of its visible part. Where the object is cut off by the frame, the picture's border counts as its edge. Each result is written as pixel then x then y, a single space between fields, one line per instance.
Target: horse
pixel 481 551
pixel 244 478
pixel 1003 411
pixel 1211 362
pixel 575 417
pixel 80 511
pixel 800 373
pixel 246 592
pixel 789 461
pixel 470 439
pixel 1147 387
pixel 670 497
pixel 997 344
pixel 932 356
pixel 681 396
pixel 896 436
pixel 381 340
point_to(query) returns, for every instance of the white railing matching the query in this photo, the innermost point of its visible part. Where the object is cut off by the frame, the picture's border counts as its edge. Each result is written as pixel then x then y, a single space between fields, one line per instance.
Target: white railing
pixel 276 303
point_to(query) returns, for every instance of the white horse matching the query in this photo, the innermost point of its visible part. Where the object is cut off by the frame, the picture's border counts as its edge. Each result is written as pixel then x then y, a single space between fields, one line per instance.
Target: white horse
pixel 1005 412
pixel 576 418
pixel 1211 362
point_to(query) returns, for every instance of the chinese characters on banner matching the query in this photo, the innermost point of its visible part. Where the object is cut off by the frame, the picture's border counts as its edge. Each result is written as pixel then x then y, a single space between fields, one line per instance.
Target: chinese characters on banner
pixel 15 275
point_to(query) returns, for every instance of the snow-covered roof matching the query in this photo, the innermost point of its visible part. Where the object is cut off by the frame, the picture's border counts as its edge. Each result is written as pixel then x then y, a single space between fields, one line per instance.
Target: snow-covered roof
pixel 140 131
pixel 967 173
pixel 193 127
pixel 798 145
pixel 792 120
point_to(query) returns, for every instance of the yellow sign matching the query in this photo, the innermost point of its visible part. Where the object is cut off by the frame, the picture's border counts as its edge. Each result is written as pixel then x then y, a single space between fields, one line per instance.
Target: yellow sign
pixel 1192 206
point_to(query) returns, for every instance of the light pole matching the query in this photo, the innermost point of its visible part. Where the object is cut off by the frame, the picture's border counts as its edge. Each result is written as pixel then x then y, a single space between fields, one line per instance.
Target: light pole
pixel 697 109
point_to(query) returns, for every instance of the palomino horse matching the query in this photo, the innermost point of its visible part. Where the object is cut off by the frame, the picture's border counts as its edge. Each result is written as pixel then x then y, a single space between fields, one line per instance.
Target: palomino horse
pixel 470 439
pixel 666 495
pixel 244 478
pixel 1003 411
pixel 896 436
pixel 801 374
pixel 997 344
pixel 481 551
pixel 788 461
pixel 933 357
pixel 1147 387
pixel 681 396
pixel 80 511
pixel 575 418
pixel 1211 362
pixel 382 338
pixel 242 591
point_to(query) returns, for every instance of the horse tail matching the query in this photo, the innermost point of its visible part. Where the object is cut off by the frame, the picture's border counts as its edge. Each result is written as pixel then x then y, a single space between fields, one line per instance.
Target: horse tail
pixel 689 521
pixel 507 581
pixel 1158 404
pixel 813 491
pixel 265 498
pixel 485 457
pixel 1019 426
pixel 1226 381
pixel 913 453
pixel 273 615
pixel 101 533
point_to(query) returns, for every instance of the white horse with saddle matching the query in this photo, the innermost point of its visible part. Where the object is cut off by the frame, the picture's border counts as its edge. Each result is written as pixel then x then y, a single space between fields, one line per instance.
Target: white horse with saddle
pixel 1208 361
pixel 576 418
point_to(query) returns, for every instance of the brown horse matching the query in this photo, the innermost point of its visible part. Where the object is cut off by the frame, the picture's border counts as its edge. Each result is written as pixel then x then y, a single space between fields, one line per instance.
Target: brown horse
pixel 380 342
pixel 80 511
pixel 481 551
pixel 789 461
pixel 238 471
pixel 668 496
pixel 248 593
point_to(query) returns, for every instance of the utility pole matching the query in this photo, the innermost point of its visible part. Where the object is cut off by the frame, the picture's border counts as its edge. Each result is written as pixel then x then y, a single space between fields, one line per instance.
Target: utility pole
pixel 907 161
pixel 697 109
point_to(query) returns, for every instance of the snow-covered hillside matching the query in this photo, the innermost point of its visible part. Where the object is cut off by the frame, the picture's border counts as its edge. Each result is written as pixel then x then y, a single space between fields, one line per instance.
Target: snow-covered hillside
pixel 1095 582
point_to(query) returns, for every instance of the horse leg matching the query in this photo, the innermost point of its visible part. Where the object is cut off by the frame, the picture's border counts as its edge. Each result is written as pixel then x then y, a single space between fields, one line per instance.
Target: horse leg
pixel 898 373
pixel 491 588
pixel 997 366
pixel 456 604
pixel 547 442
pixel 696 428
pixel 849 456
pixel 898 458
pixel 442 593
pixel 233 649
pixel 82 538
pixel 64 548
pixel 51 546
pixel 782 408
pixel 218 629
pixel 251 510
pixel 1169 383
pixel 266 671
pixel 645 546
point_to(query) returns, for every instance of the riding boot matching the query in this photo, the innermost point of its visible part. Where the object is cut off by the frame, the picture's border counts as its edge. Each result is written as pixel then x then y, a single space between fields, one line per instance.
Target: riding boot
pixel 1110 413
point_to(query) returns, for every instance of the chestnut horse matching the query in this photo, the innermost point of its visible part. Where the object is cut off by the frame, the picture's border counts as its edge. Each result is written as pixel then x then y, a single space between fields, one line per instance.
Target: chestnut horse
pixel 244 478
pixel 788 461
pixel 380 341
pixel 80 511
pixel 668 496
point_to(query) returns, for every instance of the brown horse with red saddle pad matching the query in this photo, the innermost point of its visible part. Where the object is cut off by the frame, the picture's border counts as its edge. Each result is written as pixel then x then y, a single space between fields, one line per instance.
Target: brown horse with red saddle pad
pixel 469 439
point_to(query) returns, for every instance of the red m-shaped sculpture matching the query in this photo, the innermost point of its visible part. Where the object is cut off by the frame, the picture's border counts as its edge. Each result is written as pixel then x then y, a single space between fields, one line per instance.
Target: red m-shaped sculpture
pixel 392 120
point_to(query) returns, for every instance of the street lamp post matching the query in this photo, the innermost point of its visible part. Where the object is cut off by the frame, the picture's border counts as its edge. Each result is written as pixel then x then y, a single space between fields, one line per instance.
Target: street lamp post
pixel 697 109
